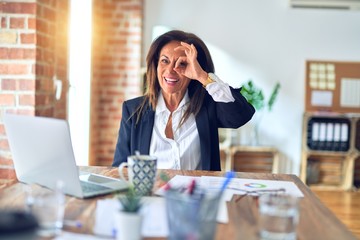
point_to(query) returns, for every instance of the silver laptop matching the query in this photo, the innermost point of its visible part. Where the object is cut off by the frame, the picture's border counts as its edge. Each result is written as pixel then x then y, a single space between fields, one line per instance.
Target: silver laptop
pixel 42 153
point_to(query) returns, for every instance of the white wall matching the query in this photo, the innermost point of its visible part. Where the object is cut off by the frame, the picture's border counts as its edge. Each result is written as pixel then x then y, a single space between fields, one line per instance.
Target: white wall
pixel 265 41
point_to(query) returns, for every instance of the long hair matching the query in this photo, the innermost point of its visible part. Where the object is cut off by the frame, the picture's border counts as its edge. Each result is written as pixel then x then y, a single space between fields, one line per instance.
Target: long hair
pixel 196 91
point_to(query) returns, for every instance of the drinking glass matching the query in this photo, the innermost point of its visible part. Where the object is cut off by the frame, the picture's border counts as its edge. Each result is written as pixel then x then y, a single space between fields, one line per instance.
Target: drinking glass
pixel 279 216
pixel 48 207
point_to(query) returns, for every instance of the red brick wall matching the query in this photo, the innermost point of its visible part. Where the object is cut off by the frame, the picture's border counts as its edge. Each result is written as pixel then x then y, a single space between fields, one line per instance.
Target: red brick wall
pixel 61 56
pixel 116 67
pixel 32 44
pixel 33 50
pixel 52 57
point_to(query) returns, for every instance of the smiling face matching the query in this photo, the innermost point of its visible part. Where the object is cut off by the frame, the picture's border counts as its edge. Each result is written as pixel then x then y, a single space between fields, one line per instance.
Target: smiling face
pixel 171 83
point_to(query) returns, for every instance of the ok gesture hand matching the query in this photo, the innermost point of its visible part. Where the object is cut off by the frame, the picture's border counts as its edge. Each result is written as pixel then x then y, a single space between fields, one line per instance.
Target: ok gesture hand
pixel 188 65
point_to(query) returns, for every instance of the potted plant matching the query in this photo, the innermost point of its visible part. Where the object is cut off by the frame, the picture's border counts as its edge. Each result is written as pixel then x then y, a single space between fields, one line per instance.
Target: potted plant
pixel 128 219
pixel 255 97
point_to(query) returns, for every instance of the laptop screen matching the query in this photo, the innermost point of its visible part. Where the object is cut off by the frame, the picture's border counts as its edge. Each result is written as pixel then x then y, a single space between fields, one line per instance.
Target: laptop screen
pixel 42 153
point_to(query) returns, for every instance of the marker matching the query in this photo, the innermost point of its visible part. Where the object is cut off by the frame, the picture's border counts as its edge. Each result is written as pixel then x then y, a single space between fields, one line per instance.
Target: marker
pixel 72 223
pixel 192 186
pixel 229 176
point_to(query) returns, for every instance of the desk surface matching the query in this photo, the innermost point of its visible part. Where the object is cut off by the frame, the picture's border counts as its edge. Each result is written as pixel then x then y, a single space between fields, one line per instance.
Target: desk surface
pixel 316 220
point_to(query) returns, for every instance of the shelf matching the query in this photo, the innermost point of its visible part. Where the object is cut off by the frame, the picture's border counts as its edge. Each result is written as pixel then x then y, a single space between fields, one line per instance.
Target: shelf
pixel 357 136
pixel 357 172
pixel 250 159
pixel 331 169
pixel 326 153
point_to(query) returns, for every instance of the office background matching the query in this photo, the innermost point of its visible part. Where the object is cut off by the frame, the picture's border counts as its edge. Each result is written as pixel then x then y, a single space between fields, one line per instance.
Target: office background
pixel 268 42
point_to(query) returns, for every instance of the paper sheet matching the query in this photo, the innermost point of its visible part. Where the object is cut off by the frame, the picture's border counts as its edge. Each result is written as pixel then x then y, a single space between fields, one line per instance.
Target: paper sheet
pixel 242 185
pixel 77 236
pixel 321 98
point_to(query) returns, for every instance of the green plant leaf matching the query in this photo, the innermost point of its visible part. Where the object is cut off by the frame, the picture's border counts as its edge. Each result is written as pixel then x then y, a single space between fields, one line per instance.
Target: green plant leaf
pixel 131 201
pixel 255 96
pixel 273 96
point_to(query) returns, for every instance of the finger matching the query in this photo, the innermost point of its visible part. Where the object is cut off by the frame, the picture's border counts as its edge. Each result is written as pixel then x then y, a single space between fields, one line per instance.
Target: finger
pixel 193 48
pixel 187 51
pixel 181 62
pixel 180 48
pixel 185 44
pixel 190 48
pixel 179 70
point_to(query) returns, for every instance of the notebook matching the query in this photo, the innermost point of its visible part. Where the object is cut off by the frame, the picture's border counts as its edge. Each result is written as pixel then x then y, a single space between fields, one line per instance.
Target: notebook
pixel 42 153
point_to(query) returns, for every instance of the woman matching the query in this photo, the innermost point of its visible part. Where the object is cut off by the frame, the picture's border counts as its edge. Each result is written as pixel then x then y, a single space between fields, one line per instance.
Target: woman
pixel 185 103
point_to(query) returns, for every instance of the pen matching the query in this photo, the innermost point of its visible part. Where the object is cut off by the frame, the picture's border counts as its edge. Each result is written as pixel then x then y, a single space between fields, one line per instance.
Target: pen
pixel 229 176
pixel 72 223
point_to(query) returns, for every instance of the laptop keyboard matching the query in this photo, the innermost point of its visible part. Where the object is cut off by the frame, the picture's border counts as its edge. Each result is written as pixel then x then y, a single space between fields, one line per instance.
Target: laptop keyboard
pixel 89 187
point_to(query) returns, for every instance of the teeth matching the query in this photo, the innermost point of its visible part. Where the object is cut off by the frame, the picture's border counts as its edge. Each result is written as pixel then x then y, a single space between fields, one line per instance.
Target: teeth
pixel 171 80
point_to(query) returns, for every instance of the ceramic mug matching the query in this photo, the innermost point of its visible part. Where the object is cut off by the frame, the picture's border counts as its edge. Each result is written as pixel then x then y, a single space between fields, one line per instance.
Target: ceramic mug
pixel 141 172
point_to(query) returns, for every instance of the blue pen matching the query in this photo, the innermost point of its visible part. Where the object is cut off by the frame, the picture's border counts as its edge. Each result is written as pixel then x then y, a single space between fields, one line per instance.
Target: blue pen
pixel 72 223
pixel 229 176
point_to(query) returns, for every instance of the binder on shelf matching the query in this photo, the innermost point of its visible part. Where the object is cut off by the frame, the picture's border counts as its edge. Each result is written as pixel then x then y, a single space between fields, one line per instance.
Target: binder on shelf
pixel 322 136
pixel 315 135
pixel 329 143
pixel 328 134
pixel 344 137
pixel 337 136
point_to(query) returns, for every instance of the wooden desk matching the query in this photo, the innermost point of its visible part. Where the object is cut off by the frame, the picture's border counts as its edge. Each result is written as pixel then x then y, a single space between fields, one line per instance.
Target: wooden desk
pixel 316 221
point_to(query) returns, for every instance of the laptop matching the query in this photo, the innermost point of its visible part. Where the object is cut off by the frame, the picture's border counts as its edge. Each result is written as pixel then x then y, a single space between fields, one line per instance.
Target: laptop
pixel 43 154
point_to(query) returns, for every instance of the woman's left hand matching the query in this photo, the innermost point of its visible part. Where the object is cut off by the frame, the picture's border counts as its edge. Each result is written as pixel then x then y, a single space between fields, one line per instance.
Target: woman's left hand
pixel 192 68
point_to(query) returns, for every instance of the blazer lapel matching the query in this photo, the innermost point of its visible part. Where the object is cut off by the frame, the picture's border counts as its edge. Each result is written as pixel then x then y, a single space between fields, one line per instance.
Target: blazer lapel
pixel 204 134
pixel 146 127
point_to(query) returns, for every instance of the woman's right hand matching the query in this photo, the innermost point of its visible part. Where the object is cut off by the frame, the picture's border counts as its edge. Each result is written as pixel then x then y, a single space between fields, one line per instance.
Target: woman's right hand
pixel 188 65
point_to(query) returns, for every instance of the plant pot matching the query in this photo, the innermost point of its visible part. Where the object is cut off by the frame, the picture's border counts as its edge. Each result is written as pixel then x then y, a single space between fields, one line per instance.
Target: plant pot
pixel 128 225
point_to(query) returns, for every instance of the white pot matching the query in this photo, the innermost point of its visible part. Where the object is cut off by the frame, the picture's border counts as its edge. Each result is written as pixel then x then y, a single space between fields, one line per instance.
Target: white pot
pixel 128 225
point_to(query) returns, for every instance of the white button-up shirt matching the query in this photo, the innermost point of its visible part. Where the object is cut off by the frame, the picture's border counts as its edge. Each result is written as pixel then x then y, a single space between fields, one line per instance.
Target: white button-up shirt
pixel 182 152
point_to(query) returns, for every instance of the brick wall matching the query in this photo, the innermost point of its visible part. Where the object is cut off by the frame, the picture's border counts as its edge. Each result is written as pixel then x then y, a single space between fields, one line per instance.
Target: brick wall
pixel 33 52
pixel 52 57
pixel 33 49
pixel 116 71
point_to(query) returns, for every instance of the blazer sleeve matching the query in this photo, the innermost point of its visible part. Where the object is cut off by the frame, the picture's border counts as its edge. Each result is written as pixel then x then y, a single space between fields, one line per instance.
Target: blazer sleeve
pixel 234 114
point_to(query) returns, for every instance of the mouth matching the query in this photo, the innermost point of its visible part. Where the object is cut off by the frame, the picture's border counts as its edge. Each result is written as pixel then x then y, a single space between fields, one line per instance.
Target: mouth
pixel 171 80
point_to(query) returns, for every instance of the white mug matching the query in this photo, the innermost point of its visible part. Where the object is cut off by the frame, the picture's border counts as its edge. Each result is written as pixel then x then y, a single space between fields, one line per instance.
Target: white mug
pixel 141 172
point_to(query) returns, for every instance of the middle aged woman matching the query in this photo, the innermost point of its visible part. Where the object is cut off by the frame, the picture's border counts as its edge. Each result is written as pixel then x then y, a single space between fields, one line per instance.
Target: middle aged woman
pixel 185 103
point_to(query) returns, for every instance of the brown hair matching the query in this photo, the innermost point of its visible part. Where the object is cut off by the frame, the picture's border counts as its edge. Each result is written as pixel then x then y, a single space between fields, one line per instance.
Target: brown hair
pixel 196 91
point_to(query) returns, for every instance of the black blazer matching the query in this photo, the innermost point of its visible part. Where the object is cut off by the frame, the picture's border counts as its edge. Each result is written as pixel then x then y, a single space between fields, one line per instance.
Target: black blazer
pixel 212 115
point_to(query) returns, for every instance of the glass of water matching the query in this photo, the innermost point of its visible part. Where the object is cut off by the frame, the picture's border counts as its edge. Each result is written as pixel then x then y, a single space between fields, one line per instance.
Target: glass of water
pixel 48 208
pixel 279 216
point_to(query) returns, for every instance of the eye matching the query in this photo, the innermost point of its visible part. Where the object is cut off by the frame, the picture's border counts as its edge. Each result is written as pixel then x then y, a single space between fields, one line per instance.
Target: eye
pixel 183 64
pixel 164 60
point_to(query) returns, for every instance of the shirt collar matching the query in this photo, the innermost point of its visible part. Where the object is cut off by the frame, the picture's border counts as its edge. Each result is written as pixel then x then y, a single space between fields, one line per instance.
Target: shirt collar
pixel 161 106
